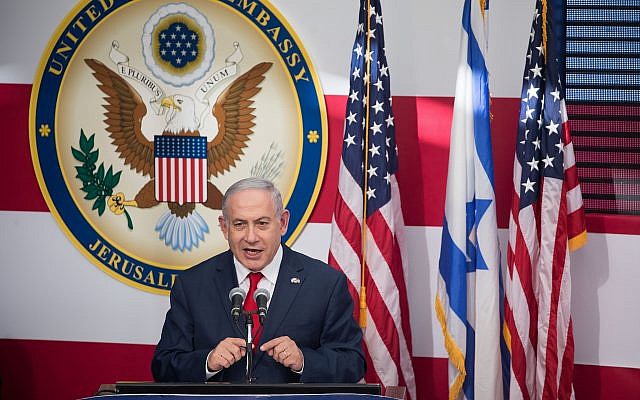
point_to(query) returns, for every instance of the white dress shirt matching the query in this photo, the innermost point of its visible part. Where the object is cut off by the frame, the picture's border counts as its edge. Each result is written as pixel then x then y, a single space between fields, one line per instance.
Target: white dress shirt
pixel 269 272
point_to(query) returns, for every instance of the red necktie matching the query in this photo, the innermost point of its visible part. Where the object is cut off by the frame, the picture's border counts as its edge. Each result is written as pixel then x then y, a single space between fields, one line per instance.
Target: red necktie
pixel 250 305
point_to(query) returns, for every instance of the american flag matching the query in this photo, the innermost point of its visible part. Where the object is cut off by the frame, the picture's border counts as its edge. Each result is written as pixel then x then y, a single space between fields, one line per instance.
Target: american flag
pixel 468 301
pixel 181 169
pixel 367 186
pixel 547 219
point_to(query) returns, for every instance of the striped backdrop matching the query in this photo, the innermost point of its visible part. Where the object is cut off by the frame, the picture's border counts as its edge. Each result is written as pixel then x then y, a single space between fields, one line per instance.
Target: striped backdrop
pixel 66 326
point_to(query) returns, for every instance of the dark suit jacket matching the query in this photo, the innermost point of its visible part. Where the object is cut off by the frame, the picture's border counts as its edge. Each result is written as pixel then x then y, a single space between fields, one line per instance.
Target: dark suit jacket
pixel 317 313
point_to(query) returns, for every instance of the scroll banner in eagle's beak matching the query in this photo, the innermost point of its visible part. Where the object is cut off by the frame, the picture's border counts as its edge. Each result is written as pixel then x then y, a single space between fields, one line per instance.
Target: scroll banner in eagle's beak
pixel 122 62
pixel 230 69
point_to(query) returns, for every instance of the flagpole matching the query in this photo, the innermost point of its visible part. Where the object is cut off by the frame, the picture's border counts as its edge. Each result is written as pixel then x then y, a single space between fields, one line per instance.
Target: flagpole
pixel 365 138
pixel 544 27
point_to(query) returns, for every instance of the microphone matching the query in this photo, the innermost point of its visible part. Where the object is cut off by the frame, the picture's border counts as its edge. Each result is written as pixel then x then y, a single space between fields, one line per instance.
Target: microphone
pixel 261 296
pixel 236 295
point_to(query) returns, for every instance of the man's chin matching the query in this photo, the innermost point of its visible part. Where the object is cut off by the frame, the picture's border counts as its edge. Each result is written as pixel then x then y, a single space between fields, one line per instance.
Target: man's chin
pixel 254 264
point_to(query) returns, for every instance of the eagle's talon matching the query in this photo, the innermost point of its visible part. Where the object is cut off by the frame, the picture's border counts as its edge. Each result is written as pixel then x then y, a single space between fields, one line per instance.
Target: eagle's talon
pixel 117 203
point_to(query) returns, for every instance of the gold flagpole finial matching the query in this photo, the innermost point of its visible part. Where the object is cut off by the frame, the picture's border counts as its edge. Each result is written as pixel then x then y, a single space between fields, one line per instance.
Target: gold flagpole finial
pixel 544 27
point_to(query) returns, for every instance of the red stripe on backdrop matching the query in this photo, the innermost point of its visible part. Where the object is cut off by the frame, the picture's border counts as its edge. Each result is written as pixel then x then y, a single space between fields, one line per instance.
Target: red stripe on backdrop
pixel 591 382
pixel 422 132
pixel 604 126
pixel 575 111
pixel 17 179
pixel 322 212
pixel 423 126
pixel 39 369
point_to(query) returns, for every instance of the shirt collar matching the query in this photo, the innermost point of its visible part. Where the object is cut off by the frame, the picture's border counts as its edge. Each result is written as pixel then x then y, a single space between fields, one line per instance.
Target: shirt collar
pixel 270 271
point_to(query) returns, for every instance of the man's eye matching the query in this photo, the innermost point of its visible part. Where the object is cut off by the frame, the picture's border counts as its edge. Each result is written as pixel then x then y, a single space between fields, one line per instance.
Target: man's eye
pixel 239 225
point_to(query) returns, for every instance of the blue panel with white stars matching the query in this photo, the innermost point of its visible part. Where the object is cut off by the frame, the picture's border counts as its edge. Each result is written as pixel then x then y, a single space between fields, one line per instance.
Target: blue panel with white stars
pixel 370 119
pixel 178 45
pixel 180 146
pixel 540 143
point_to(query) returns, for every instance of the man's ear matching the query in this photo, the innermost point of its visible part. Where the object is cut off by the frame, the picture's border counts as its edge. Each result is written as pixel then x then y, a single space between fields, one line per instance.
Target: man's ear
pixel 223 227
pixel 284 222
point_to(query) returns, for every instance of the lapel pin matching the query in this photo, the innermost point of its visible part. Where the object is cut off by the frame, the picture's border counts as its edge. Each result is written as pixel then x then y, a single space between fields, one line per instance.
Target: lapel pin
pixel 295 280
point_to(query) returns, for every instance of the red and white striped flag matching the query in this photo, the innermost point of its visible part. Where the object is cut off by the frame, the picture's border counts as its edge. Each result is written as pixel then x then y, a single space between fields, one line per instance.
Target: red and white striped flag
pixel 181 169
pixel 547 220
pixel 367 226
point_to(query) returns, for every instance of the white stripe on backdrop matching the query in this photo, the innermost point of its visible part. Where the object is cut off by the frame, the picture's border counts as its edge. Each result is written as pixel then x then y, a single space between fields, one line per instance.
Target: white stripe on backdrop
pixel 55 294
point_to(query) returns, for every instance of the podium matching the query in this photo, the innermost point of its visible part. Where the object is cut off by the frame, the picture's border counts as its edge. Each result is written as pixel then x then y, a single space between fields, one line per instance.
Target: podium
pixel 248 389
pixel 227 391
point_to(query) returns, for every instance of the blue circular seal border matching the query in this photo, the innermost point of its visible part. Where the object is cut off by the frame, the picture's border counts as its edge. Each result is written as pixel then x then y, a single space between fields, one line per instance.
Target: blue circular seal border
pixel 42 136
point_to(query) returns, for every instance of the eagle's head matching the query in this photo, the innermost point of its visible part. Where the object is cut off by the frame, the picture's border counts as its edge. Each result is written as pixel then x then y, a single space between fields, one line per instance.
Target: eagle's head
pixel 181 117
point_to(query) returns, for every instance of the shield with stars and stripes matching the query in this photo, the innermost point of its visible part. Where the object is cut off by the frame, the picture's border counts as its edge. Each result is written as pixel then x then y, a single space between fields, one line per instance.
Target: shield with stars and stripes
pixel 181 169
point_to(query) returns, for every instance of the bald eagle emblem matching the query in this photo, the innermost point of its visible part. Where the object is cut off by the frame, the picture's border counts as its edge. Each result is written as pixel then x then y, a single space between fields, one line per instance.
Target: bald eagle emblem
pixel 179 161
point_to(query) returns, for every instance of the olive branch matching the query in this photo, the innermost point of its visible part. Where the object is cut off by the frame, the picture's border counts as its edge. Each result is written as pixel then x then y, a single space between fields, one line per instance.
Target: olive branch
pixel 98 184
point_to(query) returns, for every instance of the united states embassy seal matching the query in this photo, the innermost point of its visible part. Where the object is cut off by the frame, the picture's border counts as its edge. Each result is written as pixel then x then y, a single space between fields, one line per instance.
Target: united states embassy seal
pixel 144 112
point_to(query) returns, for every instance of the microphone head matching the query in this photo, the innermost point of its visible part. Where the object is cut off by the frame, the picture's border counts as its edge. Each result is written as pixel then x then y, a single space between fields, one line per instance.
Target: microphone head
pixel 261 296
pixel 236 295
pixel 261 292
pixel 235 291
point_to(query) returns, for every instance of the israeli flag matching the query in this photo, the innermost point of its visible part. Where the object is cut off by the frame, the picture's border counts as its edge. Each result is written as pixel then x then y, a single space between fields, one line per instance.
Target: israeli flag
pixel 468 298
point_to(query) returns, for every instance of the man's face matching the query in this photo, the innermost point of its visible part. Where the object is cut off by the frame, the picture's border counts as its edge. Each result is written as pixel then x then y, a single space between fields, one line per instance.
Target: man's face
pixel 253 230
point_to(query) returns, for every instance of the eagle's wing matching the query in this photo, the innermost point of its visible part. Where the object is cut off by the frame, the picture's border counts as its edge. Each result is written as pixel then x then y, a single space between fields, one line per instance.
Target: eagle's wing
pixel 235 119
pixel 124 112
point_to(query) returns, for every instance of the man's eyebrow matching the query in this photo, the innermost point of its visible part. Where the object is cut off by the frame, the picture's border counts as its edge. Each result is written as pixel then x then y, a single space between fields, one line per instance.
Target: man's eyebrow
pixel 235 220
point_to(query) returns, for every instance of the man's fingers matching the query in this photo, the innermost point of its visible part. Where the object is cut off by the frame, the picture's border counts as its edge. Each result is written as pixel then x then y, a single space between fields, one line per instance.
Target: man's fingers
pixel 284 350
pixel 237 341
pixel 224 363
pixel 235 346
pixel 271 344
pixel 228 352
pixel 233 343
pixel 273 348
pixel 291 359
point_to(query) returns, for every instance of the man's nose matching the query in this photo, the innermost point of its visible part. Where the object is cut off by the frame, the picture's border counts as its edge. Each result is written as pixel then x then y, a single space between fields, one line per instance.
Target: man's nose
pixel 250 234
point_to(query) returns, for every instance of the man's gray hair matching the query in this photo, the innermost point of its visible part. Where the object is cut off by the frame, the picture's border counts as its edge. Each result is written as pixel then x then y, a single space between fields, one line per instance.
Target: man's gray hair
pixel 254 183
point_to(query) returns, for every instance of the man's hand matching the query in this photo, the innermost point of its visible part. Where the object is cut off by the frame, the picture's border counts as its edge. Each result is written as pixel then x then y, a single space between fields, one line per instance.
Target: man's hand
pixel 226 353
pixel 285 351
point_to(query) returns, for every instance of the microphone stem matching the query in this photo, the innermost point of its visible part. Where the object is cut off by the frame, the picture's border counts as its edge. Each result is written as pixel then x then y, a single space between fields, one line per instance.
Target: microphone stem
pixel 249 369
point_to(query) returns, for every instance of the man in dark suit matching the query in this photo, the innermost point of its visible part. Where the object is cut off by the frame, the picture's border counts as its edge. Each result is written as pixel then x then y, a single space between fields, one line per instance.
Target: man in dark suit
pixel 309 334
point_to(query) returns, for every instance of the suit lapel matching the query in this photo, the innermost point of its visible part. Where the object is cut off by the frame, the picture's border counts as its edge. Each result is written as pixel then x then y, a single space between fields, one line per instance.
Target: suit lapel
pixel 224 279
